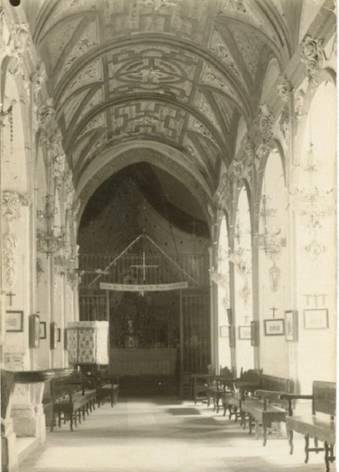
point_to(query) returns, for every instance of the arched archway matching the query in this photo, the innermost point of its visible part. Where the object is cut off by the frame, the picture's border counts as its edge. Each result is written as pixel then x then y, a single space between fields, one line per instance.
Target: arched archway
pixel 223 296
pixel 314 198
pixel 243 294
pixel 273 267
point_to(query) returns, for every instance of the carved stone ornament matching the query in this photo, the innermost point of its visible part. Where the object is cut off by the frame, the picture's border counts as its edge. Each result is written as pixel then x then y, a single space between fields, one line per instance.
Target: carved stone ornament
pixel 299 100
pixel 16 46
pixel 284 89
pixel 261 154
pixel 9 243
pixel 68 189
pixel 47 120
pixel 11 204
pixel 312 54
pixel 265 124
pixel 284 122
pixel 224 192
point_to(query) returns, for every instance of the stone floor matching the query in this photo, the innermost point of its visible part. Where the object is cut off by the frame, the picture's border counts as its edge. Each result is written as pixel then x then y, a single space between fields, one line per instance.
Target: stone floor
pixel 164 436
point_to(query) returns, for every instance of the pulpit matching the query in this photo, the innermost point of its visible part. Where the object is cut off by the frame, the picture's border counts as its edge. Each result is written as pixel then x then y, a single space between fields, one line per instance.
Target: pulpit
pixel 87 342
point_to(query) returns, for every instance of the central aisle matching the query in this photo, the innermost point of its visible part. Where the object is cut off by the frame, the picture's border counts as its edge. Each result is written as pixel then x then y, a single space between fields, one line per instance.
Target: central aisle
pixel 163 436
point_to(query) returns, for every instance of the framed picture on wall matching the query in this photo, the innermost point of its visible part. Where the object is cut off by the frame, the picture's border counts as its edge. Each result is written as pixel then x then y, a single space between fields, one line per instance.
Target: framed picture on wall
pixel 223 331
pixel 316 318
pixel 291 325
pixel 34 330
pixel 274 327
pixel 244 332
pixel 14 321
pixel 43 330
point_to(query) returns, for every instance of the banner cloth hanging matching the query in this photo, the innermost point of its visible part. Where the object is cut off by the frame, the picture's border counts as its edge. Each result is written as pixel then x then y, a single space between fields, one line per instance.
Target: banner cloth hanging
pixel 143 287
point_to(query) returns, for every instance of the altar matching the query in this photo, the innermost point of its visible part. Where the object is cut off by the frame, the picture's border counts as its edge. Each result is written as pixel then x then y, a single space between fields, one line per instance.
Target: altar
pixel 143 361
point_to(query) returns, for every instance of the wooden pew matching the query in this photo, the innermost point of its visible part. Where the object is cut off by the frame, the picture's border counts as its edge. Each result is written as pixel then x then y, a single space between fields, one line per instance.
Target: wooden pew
pixel 200 387
pixel 72 398
pixel 243 386
pixel 319 424
pixel 219 385
pixel 266 405
pixel 107 387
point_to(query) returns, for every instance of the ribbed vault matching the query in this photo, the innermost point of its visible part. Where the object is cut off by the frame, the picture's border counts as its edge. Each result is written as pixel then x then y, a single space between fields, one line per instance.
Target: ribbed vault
pixel 175 74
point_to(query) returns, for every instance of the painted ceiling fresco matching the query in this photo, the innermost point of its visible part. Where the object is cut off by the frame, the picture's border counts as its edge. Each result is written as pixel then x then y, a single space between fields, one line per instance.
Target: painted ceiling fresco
pixel 178 73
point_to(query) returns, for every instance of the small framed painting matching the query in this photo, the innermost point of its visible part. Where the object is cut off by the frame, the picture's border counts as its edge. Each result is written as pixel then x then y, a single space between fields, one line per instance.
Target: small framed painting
pixel 244 332
pixel 43 330
pixel 291 325
pixel 14 321
pixel 223 331
pixel 316 318
pixel 274 327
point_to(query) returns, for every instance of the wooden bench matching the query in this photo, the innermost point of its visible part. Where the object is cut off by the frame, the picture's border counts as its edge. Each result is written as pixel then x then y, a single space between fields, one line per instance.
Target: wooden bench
pixel 72 398
pixel 266 405
pixel 200 387
pixel 219 385
pixel 108 387
pixel 319 424
pixel 241 387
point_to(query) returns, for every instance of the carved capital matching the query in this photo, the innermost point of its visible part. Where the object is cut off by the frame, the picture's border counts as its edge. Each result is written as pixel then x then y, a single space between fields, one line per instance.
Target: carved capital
pixel 9 243
pixel 12 202
pixel 284 122
pixel 284 89
pixel 312 54
pixel 265 124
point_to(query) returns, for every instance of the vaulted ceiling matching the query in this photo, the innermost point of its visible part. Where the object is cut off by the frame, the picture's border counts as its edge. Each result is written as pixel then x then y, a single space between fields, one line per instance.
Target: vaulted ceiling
pixel 170 77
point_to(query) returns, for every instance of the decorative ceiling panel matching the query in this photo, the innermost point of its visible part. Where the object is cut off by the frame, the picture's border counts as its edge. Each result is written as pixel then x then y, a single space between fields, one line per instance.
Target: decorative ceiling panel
pixel 250 46
pixel 87 41
pixel 60 9
pixel 219 47
pixel 71 105
pixel 205 108
pixel 213 78
pixel 180 18
pixel 91 73
pixel 98 121
pixel 147 118
pixel 175 72
pixel 199 128
pixel 58 38
pixel 92 102
pixel 161 69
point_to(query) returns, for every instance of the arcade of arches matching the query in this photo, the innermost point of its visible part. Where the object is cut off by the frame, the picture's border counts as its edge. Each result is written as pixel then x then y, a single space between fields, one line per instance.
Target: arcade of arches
pixel 167 175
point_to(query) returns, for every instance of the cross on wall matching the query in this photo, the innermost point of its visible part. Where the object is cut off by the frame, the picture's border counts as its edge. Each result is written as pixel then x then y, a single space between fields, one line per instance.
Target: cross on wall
pixel 144 266
pixel 10 295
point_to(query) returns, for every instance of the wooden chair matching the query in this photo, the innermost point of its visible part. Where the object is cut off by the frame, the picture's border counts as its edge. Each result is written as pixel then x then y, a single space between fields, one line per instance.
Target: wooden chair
pixel 319 424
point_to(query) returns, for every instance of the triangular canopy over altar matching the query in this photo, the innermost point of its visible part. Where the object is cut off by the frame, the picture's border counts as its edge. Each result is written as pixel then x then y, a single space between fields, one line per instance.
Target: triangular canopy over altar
pixel 143 266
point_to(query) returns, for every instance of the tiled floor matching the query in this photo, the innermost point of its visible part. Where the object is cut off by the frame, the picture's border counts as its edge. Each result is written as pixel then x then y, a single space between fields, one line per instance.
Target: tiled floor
pixel 164 436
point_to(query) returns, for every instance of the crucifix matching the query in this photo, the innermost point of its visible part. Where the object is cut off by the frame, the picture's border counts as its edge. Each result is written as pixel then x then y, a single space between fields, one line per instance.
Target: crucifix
pixel 144 266
pixel 10 295
pixel 274 309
